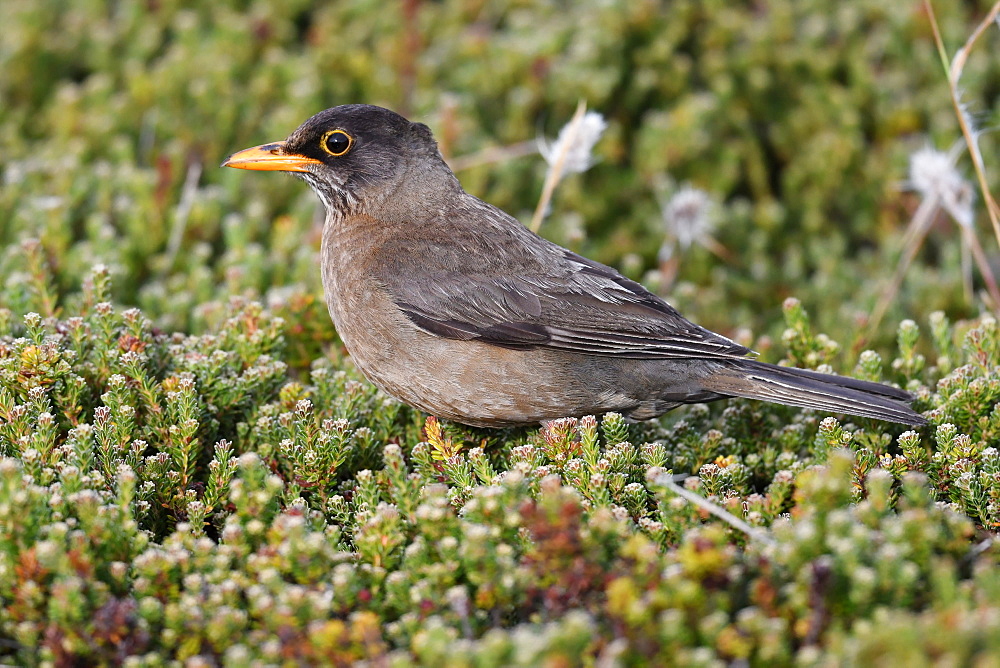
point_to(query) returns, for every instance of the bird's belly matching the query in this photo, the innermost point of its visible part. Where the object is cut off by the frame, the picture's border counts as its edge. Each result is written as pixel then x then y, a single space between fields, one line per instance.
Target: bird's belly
pixel 466 381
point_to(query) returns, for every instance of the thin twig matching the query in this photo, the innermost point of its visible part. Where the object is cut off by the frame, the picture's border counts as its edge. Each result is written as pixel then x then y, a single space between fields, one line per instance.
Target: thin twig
pixel 923 218
pixel 958 62
pixel 984 266
pixel 188 192
pixel 979 548
pixel 919 226
pixel 493 154
pixel 918 229
pixel 753 532
pixel 554 174
pixel 954 73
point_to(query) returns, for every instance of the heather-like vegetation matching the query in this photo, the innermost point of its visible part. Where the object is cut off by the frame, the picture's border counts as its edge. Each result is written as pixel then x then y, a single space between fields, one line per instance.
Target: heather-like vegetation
pixel 193 473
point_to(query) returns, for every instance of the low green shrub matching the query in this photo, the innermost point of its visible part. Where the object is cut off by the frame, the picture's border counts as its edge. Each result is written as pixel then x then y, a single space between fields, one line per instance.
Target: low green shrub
pixel 169 496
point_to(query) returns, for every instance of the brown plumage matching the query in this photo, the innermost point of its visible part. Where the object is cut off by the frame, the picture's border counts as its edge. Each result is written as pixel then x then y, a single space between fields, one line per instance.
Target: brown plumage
pixel 451 305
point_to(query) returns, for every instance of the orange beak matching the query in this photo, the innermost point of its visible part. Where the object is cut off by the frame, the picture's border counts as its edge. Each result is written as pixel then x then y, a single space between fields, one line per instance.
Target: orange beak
pixel 270 158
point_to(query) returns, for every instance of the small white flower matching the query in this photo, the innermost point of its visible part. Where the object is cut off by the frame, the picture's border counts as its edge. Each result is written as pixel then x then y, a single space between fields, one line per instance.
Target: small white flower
pixel 575 143
pixel 689 216
pixel 933 175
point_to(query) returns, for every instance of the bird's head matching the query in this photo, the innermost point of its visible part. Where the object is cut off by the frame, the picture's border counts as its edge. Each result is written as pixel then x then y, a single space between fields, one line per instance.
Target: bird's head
pixel 352 155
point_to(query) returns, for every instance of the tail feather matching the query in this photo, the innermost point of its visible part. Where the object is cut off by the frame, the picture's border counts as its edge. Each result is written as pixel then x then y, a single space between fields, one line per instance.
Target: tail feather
pixel 809 389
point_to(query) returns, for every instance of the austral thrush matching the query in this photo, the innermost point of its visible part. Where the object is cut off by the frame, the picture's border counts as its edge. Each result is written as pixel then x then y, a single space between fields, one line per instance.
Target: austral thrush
pixel 453 306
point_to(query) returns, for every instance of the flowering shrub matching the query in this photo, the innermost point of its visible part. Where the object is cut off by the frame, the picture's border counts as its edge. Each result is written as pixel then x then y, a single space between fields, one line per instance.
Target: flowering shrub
pixel 185 496
pixel 191 470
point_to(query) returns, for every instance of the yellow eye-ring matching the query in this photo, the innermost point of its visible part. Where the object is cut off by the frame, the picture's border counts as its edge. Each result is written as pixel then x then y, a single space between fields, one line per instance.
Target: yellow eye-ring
pixel 336 142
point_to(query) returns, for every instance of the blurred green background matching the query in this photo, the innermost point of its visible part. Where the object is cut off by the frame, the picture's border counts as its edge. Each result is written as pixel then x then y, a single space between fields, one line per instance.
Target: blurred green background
pixel 798 117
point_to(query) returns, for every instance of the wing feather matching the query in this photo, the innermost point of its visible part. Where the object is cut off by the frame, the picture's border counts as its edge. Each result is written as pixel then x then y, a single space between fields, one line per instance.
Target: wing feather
pixel 540 294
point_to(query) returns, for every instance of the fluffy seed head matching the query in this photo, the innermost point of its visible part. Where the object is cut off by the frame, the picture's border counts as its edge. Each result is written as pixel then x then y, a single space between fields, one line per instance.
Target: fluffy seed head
pixel 933 174
pixel 576 140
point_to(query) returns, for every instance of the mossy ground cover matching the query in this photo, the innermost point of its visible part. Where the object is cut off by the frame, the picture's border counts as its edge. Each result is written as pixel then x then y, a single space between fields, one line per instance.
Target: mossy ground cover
pixel 193 472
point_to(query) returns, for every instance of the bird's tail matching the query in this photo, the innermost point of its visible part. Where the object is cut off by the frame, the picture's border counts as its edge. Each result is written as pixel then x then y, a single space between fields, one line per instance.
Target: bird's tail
pixel 809 389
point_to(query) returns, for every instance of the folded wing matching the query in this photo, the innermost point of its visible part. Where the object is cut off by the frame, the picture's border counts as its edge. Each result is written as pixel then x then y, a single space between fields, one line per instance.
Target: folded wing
pixel 571 304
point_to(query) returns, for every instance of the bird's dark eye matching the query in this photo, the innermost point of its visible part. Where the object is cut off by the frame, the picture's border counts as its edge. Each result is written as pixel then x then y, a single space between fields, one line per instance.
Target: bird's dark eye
pixel 337 142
